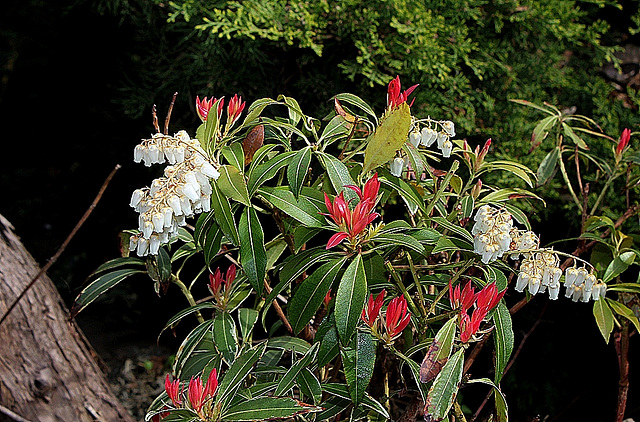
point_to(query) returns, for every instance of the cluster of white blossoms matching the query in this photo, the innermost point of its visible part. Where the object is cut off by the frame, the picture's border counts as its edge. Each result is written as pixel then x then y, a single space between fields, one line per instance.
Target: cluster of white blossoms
pixel 492 233
pixel 185 189
pixel 583 285
pixel 540 271
pixel 426 137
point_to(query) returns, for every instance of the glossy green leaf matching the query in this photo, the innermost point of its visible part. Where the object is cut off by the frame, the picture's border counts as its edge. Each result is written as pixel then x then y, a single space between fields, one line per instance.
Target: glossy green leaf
pixel 569 133
pixel 294 344
pixel 624 287
pixel 283 199
pixel 298 169
pixel 342 391
pixel 548 166
pixel 268 170
pixel 206 132
pixel 329 345
pixel 542 130
pixel 191 341
pixel 618 266
pixel 338 126
pixel 389 137
pixel 604 318
pixel 225 336
pixel 253 255
pixel 415 158
pixel 403 188
pixel 443 391
pixel 356 101
pixel 339 176
pixel 350 299
pixel 224 215
pixel 460 231
pixel 288 380
pixel 212 241
pixel 517 169
pixel 397 239
pixel 623 310
pixel 260 155
pixel 247 318
pixel 232 185
pixel 309 385
pixel 234 155
pixel 100 285
pixel 358 361
pixel 256 108
pixel 311 293
pixel 237 372
pixel 118 262
pixel 183 313
pixel 267 408
pixel 501 195
pixel 503 339
pixel 467 205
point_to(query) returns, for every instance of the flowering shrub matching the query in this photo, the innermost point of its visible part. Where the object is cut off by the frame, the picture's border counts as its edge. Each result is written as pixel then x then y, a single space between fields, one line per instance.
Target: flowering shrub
pixel 302 208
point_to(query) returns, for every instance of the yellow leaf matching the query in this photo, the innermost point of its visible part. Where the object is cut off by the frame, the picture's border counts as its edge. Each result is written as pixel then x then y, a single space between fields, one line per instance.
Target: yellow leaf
pixel 389 137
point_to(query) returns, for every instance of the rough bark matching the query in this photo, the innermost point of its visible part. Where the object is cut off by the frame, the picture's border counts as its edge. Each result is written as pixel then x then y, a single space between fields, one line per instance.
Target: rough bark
pixel 48 370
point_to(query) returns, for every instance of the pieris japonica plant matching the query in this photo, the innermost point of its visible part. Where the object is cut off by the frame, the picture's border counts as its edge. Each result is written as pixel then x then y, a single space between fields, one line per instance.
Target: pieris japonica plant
pixel 334 269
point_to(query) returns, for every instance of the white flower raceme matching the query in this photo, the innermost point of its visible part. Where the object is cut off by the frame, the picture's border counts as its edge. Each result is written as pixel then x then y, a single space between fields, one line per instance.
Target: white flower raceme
pixel 184 190
pixel 540 271
pixel 523 240
pixel 583 285
pixel 491 232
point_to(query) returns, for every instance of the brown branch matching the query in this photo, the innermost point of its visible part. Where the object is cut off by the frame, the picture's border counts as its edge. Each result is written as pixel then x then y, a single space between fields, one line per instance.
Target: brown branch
pixel 621 339
pixel 55 257
pixel 278 309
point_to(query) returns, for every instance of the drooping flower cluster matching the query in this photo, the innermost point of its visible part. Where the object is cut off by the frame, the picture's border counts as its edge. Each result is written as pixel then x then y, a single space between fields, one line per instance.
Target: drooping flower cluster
pixel 485 300
pixel 426 137
pixel 583 285
pixel 492 233
pixel 199 395
pixel 352 223
pixel 183 191
pixel 540 271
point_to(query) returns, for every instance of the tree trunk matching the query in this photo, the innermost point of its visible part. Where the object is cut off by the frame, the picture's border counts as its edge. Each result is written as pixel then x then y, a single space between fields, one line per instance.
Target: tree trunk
pixel 48 370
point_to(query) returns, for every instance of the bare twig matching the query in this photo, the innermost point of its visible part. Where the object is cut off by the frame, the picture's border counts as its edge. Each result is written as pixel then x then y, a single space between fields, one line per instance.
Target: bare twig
pixel 55 257
pixel 166 121
pixel 278 309
pixel 12 415
pixel 621 341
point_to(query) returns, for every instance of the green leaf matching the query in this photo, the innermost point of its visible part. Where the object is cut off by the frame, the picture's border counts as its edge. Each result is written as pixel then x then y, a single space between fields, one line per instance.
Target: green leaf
pixel 99 286
pixel 517 169
pixel 247 318
pixel 311 293
pixel 389 137
pixel 358 361
pixel 116 263
pixel 183 313
pixel 224 215
pixel 256 108
pixel 328 338
pixel 294 344
pixel 618 266
pixel 207 131
pixel 548 166
pixel 268 170
pixel 337 127
pixel 339 176
pixel 350 299
pixel 624 287
pixel 399 240
pixel 415 158
pixel 342 391
pixel 358 102
pixel 443 391
pixel 533 105
pixel 237 372
pixel 297 170
pixel 212 242
pixel 266 408
pixel 403 188
pixel 287 381
pixel 604 318
pixel 501 195
pixel 569 133
pixel 444 223
pixel 234 155
pixel 189 344
pixel 503 339
pixel 225 336
pixel 232 184
pixel 623 310
pixel 467 204
pixel 253 255
pixel 283 199
pixel 501 402
pixel 260 155
pixel 542 130
pixel 445 337
pixel 309 385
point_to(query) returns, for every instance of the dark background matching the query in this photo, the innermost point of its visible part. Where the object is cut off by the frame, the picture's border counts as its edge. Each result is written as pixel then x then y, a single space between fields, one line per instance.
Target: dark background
pixel 65 67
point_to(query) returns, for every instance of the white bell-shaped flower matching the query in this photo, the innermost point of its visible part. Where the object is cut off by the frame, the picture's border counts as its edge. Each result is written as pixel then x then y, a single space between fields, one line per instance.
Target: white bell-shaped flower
pixel 414 138
pixel 447 146
pixel 396 166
